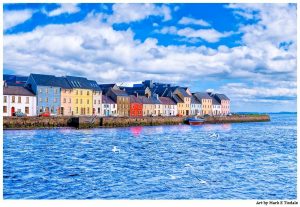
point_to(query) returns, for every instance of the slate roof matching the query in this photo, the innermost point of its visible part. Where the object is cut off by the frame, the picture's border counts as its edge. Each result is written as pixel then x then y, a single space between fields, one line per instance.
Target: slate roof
pixel 107 100
pixel 50 80
pixel 154 100
pixel 134 90
pixel 221 96
pixel 202 95
pixel 79 82
pixel 183 92
pixel 17 90
pixel 15 78
pixel 94 85
pixel 15 83
pixel 145 100
pixel 215 101
pixel 194 100
pixel 134 99
pixel 119 92
pixel 177 99
pixel 106 87
pixel 167 101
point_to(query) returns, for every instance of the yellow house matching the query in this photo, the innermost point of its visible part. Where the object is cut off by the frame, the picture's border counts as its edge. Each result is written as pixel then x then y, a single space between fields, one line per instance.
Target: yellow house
pixel 183 100
pixel 82 95
pixel 206 102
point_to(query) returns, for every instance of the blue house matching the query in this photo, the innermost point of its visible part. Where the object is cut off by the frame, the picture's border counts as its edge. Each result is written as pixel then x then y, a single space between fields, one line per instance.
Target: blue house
pixel 48 91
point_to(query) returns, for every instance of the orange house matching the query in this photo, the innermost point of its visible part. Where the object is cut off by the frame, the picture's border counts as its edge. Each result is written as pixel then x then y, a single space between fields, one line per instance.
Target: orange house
pixel 136 106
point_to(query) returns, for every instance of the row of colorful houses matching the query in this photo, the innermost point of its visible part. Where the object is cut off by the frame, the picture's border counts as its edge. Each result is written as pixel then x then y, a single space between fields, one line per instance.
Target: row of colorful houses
pixel 75 96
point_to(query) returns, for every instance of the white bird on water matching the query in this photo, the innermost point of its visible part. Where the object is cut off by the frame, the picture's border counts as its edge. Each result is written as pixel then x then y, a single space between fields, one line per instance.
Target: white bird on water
pixel 115 149
pixel 214 135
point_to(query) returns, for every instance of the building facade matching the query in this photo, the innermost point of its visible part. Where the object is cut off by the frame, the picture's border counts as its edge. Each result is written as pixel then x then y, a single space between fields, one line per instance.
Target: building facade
pixel 109 107
pixel 183 106
pixel 82 95
pixel 136 106
pixel 97 98
pixel 216 107
pixel 18 99
pixel 122 99
pixel 148 106
pixel 225 103
pixel 47 89
pixel 196 107
pixel 206 102
pixel 169 106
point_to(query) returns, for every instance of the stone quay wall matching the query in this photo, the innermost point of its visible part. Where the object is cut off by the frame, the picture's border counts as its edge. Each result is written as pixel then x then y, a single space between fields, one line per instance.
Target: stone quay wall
pixel 94 121
pixel 237 119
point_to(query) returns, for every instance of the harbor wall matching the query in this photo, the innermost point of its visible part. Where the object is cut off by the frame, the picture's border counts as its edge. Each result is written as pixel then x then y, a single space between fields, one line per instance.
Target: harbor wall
pixel 93 122
pixel 237 119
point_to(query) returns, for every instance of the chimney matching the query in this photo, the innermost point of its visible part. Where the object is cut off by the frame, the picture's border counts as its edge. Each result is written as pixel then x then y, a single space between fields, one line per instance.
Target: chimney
pixel 157 96
pixel 5 84
pixel 137 94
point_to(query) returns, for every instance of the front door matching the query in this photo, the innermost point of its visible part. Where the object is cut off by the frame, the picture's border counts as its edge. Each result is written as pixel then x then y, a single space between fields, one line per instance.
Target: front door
pixel 62 110
pixel 12 111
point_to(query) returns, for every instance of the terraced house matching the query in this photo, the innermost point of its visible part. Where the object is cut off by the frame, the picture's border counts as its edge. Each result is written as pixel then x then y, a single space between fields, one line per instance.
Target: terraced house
pixel 122 99
pixel 18 99
pixel 183 100
pixel 206 102
pixel 169 106
pixel 225 103
pixel 82 95
pixel 97 98
pixel 47 89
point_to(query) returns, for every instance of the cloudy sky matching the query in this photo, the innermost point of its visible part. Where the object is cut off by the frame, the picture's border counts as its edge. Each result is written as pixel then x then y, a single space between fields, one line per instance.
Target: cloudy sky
pixel 247 51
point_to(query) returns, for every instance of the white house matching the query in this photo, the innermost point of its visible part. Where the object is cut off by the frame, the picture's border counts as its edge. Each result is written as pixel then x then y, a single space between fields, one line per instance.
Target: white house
pixel 196 107
pixel 169 106
pixel 18 99
pixel 109 107
pixel 216 107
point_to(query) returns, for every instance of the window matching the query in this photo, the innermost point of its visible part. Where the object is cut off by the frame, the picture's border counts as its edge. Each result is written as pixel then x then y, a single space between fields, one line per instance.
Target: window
pixel 47 100
pixel 26 110
pixel 99 102
pixel 98 110
pixel 88 101
pixel 65 100
pixel 40 90
pixel 77 101
pixel 76 92
pixel 27 100
pixel 4 109
pixel 56 91
pixel 70 110
pixel 80 101
pixel 13 99
pixel 46 90
pixel 5 99
pixel 87 93
pixel 80 92
pixel 41 100
pixel 94 101
pixel 88 110
pixel 55 100
pixel 76 110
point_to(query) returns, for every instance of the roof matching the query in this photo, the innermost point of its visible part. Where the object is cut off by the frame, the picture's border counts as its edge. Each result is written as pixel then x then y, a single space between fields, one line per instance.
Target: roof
pixel 215 101
pixel 79 82
pixel 202 95
pixel 50 80
pixel 106 87
pixel 118 92
pixel 146 100
pixel 134 90
pixel 183 92
pixel 17 90
pixel 154 100
pixel 167 101
pixel 221 96
pixel 177 99
pixel 194 100
pixel 135 99
pixel 94 85
pixel 107 100
pixel 15 83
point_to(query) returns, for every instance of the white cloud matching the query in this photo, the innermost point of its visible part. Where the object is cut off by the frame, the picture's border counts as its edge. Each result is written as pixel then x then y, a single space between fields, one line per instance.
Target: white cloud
pixel 125 13
pixel 191 21
pixel 13 18
pixel 63 9
pixel 94 49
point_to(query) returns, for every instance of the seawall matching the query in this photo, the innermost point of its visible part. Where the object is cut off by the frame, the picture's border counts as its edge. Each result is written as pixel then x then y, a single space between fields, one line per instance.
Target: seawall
pixel 237 119
pixel 94 122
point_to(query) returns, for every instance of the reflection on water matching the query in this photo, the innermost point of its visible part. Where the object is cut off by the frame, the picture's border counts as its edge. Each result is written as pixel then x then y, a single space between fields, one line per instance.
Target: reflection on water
pixel 215 161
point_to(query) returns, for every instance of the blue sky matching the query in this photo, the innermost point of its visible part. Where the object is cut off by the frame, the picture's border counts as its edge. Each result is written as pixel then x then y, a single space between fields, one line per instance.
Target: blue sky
pixel 247 51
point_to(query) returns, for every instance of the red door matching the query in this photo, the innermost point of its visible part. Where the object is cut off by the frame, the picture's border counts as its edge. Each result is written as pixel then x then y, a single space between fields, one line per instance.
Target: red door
pixel 12 111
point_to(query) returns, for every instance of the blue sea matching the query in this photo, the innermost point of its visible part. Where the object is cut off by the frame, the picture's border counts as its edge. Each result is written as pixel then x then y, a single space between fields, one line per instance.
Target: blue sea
pixel 218 161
